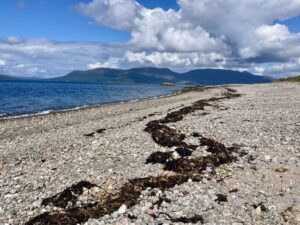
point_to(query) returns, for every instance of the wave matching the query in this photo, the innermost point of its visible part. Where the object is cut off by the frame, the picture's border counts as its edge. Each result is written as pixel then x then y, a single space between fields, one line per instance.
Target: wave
pixel 3 115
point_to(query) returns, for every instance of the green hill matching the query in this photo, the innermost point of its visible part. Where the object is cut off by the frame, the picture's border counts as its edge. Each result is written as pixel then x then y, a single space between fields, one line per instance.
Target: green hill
pixel 290 79
pixel 160 75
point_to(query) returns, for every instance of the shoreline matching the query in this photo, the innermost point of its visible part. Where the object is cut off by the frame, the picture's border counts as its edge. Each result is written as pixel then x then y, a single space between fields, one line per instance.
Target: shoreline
pixel 55 111
pixel 104 149
pixel 181 90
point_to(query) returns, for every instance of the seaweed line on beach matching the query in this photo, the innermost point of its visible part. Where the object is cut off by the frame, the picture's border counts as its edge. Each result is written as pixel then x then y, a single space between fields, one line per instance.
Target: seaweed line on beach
pixel 185 169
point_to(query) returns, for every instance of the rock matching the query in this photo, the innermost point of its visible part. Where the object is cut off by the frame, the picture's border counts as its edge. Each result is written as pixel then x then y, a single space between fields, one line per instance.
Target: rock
pixel 258 210
pixel 122 209
pixel 36 204
pixel 281 169
pixel 192 141
pixel 268 158
pixel 115 215
pixel 175 155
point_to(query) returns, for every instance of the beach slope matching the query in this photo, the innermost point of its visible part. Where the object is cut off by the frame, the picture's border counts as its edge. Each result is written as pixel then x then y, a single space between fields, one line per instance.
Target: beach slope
pixel 223 155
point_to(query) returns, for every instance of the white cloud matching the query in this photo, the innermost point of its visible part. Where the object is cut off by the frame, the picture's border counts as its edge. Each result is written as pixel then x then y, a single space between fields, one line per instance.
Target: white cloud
pixel 166 31
pixel 272 41
pixel 29 69
pixel 233 34
pixel 113 13
pixel 176 60
pixel 2 62
pixel 48 58
pixel 152 28
pixel 13 39
pixel 279 69
pixel 241 33
pixel 110 63
pixel 236 19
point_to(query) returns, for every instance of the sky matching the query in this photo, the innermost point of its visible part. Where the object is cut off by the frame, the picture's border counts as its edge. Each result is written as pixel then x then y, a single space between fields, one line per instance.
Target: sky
pixel 49 38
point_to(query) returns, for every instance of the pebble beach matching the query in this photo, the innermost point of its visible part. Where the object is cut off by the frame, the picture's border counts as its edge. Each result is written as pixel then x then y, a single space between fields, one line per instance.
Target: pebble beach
pixel 222 155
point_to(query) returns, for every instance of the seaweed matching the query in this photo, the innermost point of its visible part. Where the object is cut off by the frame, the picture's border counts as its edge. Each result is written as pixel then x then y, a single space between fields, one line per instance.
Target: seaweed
pixel 183 151
pixel 128 195
pixel 182 219
pixel 90 134
pixel 131 216
pixel 153 126
pixel 231 90
pixel 194 219
pixel 221 198
pixel 69 195
pixel 234 190
pixel 197 165
pixel 159 157
pixel 184 168
pixel 100 131
pixel 168 137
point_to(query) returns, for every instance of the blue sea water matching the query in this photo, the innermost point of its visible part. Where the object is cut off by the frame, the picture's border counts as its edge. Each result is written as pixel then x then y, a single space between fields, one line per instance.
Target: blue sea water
pixel 30 97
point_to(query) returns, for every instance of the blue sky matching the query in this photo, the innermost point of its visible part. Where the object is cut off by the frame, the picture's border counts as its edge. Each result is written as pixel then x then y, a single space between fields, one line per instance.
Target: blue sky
pixel 57 20
pixel 52 19
pixel 48 38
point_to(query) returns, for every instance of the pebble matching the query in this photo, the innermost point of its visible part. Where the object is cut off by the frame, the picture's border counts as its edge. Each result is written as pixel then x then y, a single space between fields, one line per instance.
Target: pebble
pixel 37 203
pixel 122 209
pixel 281 169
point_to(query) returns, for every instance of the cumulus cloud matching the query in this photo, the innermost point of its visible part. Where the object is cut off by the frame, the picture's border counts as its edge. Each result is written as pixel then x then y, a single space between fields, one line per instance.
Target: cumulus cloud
pixel 235 34
pixel 166 31
pixel 236 19
pixel 49 58
pixel 214 33
pixel 152 28
pixel 110 63
pixel 272 43
pixel 177 60
pixel 113 13
pixel 276 69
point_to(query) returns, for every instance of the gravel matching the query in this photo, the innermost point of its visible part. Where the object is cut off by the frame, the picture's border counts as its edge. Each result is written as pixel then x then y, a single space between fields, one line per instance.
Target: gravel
pixel 42 155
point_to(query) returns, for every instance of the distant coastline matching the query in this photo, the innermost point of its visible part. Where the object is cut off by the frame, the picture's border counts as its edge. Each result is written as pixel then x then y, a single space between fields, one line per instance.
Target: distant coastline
pixel 152 75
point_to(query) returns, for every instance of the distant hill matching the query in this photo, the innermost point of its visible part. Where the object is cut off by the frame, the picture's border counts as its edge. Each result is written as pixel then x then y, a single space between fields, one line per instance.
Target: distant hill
pixel 15 78
pixel 161 75
pixel 5 77
pixel 290 79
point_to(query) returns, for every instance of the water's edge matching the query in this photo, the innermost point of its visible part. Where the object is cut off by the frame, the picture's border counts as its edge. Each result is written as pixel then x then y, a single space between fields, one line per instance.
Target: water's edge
pixel 42 99
pixel 56 111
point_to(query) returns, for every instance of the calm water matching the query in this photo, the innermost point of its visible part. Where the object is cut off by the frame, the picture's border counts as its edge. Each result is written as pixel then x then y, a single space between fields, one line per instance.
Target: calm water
pixel 28 97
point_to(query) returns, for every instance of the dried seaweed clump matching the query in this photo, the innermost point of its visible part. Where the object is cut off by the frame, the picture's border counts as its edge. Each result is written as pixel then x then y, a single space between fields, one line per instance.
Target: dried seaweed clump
pixel 185 168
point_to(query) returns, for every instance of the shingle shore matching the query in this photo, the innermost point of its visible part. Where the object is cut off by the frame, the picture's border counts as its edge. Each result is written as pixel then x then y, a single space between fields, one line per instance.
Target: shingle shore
pixel 42 155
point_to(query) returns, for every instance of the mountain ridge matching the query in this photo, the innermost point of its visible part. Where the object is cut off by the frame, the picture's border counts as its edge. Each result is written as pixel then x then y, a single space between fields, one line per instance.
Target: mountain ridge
pixel 160 75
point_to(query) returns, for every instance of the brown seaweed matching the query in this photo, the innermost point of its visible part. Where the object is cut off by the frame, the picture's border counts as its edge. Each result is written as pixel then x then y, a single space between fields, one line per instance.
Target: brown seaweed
pixel 184 168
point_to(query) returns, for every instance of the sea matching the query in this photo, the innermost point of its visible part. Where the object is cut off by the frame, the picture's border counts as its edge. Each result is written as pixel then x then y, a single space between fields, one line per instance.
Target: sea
pixel 22 98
